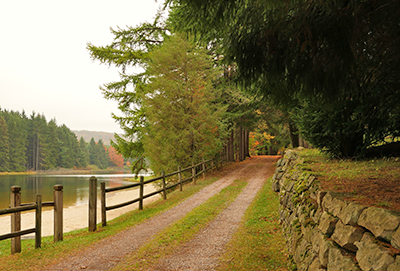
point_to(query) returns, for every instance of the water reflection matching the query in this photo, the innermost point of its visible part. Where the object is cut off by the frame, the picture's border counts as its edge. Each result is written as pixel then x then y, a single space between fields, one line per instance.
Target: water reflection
pixel 76 187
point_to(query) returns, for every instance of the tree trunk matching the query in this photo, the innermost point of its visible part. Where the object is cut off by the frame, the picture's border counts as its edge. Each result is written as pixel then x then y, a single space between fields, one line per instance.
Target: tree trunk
pixel 294 135
pixel 231 156
pixel 247 150
pixel 240 143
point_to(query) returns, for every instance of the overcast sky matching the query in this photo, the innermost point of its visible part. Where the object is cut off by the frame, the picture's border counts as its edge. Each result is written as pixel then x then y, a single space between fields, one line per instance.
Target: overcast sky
pixel 44 64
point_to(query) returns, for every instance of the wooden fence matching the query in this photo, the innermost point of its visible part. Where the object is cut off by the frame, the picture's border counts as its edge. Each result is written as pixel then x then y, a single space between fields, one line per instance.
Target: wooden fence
pixel 16 208
pixel 202 166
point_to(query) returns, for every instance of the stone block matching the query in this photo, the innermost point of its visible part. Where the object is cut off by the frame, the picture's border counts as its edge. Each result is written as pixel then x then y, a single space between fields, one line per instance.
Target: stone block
pixel 317 239
pixel 311 180
pixel 394 266
pixel 395 242
pixel 296 174
pixel 315 265
pixel 282 182
pixel 327 223
pixel 345 236
pixel 350 214
pixel 371 256
pixel 308 232
pixel 320 197
pixel 288 185
pixel 333 203
pixel 301 251
pixel 275 186
pixel 382 223
pixel 279 162
pixel 324 252
pixel 339 262
pixel 316 216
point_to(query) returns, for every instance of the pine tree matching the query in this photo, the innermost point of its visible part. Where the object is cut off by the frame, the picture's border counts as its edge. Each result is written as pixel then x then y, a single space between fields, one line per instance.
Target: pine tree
pixel 83 154
pixel 17 140
pixel 93 154
pixel 102 154
pixel 53 146
pixel 4 146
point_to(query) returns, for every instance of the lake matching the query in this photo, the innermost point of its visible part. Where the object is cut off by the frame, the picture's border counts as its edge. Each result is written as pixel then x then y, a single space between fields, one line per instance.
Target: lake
pixel 75 187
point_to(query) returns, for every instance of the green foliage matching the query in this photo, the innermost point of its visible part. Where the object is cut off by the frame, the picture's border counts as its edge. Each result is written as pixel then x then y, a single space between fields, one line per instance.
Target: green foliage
pixel 83 154
pixel 35 144
pixel 130 49
pixel 338 55
pixel 180 106
pixel 4 147
pixel 170 115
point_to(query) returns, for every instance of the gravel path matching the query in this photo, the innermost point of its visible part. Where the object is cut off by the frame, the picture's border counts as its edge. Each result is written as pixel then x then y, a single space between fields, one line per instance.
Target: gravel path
pixel 108 252
pixel 203 251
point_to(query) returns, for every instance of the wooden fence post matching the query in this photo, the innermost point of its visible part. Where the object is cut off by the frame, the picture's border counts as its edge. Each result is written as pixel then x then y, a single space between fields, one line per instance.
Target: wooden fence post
pixel 180 178
pixel 163 185
pixel 103 204
pixel 193 173
pixel 141 191
pixel 38 235
pixel 204 169
pixel 58 213
pixel 92 203
pixel 15 219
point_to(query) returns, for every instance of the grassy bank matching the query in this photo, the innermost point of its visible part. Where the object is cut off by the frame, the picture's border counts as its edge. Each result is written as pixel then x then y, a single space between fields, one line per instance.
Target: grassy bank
pixel 31 258
pixel 372 182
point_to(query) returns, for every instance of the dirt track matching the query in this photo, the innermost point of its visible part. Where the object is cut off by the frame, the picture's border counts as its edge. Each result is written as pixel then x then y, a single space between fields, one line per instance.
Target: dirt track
pixel 198 254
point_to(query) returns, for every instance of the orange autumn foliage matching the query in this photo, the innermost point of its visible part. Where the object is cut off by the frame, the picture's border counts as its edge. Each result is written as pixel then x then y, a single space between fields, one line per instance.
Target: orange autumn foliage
pixel 115 158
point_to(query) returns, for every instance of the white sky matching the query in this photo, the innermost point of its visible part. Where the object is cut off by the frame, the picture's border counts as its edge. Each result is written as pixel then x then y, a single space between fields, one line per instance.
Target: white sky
pixel 44 64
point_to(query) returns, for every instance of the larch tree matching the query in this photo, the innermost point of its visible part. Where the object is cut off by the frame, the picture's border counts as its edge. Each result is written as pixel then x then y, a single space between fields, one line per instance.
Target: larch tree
pixel 183 117
pixel 129 52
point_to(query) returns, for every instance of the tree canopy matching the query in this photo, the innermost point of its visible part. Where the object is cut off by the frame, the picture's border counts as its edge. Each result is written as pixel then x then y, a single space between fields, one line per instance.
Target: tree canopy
pixel 180 103
pixel 319 56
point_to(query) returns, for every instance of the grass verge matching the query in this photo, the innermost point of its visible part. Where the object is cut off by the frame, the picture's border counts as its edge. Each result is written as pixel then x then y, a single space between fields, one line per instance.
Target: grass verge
pixel 372 182
pixel 258 243
pixel 167 241
pixel 31 258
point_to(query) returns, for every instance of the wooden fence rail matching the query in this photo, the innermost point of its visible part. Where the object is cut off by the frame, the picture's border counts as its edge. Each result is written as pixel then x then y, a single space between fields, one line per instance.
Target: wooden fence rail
pixel 15 210
pixel 141 184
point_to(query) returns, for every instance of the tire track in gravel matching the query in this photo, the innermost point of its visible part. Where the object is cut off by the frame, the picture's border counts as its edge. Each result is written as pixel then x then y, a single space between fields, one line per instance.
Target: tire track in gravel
pixel 204 250
pixel 106 253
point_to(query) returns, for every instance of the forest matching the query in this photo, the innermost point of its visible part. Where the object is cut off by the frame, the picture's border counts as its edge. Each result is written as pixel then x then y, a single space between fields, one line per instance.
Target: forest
pixel 33 143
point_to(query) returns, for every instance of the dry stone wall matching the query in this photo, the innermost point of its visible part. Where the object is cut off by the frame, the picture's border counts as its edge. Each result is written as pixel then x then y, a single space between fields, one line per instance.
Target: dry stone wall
pixel 323 231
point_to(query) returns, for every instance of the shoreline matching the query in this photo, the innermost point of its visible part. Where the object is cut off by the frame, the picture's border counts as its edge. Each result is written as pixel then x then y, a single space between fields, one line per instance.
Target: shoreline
pixel 76 217
pixel 65 171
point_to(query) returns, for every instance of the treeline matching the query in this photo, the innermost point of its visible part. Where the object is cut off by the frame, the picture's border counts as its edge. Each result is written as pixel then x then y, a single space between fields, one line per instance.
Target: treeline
pixel 32 143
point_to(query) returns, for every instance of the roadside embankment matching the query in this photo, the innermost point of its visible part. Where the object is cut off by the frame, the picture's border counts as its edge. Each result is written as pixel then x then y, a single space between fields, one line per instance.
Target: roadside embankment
pixel 324 231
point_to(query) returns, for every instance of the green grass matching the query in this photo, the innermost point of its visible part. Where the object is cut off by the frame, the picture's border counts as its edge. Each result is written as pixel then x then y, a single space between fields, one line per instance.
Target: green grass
pixel 350 169
pixel 167 241
pixel 31 258
pixel 258 244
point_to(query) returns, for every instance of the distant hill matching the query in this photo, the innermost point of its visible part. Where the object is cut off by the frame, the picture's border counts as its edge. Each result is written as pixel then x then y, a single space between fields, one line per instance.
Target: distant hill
pixel 87 135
